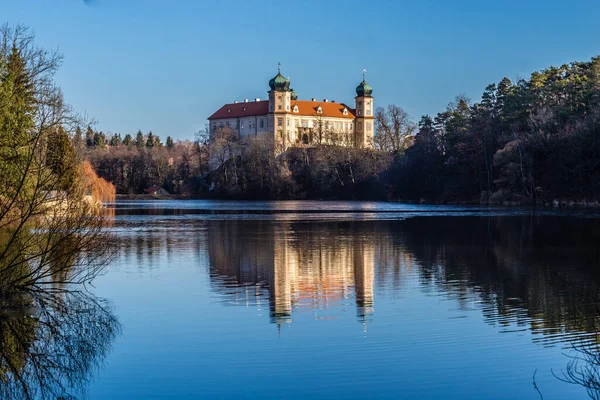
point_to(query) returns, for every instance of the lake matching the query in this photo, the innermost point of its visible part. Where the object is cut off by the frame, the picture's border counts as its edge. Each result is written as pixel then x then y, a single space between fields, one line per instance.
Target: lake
pixel 296 300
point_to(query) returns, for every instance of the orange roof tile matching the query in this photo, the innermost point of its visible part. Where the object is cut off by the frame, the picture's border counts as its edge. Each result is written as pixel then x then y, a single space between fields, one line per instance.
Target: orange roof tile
pixel 331 110
pixel 308 108
pixel 235 110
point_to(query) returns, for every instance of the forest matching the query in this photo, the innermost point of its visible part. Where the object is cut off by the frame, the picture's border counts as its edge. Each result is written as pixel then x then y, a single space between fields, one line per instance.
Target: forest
pixel 533 141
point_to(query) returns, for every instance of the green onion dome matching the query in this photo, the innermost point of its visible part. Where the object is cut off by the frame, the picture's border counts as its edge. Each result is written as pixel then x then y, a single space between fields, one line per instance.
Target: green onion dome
pixel 293 95
pixel 364 89
pixel 279 82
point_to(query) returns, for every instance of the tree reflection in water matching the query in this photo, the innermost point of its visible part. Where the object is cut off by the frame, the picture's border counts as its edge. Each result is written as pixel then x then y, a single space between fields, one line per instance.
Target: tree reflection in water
pixel 51 344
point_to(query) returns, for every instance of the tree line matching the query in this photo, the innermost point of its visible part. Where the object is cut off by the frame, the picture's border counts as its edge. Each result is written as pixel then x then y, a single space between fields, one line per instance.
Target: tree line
pixel 535 140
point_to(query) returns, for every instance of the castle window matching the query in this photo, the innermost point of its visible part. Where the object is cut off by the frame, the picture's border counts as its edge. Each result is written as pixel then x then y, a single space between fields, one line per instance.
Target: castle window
pixel 279 107
pixel 359 126
pixel 319 110
pixel 243 108
pixel 250 125
pixel 360 103
pixel 287 108
pixel 241 124
pixel 345 112
pixel 359 112
pixel 227 123
pixel 304 123
pixel 296 108
pixel 279 121
pixel 368 111
pixel 288 122
pixel 262 123
pixel 368 126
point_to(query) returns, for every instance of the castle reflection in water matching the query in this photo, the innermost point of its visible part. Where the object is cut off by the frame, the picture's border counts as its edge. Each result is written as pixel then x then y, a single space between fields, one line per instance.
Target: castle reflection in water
pixel 534 273
pixel 302 268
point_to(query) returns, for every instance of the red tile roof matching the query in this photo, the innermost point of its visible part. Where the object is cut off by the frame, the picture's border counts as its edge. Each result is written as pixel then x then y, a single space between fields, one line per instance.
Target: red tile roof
pixel 236 110
pixel 309 108
pixel 331 110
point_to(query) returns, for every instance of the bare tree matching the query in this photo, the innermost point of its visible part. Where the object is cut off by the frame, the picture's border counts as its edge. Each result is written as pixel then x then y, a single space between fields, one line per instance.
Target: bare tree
pixel 393 129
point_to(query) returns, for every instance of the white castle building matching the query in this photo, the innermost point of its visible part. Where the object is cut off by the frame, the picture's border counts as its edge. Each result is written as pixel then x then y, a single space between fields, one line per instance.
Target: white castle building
pixel 293 122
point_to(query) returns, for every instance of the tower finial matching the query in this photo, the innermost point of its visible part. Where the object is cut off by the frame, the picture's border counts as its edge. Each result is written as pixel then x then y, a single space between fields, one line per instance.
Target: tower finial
pixel 364 73
pixel 279 67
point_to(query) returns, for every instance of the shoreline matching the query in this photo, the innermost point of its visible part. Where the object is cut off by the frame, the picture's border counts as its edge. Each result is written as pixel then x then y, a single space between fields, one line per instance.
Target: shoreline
pixel 554 204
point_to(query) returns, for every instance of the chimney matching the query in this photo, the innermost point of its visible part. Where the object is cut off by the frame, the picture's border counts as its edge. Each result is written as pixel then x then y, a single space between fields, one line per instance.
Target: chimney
pixel 313 99
pixel 257 99
pixel 333 101
pixel 245 100
pixel 326 101
pixel 235 102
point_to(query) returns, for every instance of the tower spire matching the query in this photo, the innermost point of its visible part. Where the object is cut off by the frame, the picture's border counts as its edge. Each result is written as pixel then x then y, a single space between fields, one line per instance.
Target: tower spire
pixel 279 67
pixel 364 73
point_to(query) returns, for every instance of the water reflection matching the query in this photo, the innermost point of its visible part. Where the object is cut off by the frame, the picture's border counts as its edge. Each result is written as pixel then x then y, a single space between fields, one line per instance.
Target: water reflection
pixel 52 344
pixel 531 273
pixel 523 273
pixel 302 266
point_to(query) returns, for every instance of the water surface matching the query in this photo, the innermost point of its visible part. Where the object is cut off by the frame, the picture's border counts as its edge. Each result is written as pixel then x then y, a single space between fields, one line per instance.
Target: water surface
pixel 346 300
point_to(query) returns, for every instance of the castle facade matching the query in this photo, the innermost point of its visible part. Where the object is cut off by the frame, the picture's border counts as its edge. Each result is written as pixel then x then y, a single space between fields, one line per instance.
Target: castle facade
pixel 293 122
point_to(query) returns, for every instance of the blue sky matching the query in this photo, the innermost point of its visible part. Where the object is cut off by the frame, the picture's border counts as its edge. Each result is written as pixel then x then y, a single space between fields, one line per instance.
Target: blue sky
pixel 166 66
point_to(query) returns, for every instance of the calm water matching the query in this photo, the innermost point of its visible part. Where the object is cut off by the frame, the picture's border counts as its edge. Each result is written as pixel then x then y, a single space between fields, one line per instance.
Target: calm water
pixel 301 300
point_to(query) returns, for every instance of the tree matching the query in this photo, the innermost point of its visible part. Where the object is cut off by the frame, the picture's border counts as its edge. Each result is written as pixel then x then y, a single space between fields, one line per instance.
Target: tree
pixel 393 129
pixel 90 137
pixel 170 143
pixel 115 140
pixel 100 140
pixel 150 142
pixel 61 159
pixel 139 140
pixel 42 206
pixel 128 140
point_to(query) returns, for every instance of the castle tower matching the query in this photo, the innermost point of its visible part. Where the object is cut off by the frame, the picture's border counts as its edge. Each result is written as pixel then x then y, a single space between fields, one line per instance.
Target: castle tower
pixel 364 126
pixel 279 105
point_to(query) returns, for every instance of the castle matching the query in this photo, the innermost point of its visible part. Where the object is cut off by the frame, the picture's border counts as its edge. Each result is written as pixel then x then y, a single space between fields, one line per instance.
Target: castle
pixel 292 122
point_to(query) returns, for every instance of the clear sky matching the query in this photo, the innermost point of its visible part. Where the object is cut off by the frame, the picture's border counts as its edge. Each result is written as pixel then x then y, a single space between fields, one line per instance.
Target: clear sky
pixel 166 65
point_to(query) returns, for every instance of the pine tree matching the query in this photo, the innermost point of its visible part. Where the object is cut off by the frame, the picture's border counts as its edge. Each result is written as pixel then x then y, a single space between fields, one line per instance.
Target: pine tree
pixel 170 143
pixel 89 137
pixel 61 159
pixel 115 140
pixel 139 140
pixel 17 104
pixel 150 141
pixel 128 140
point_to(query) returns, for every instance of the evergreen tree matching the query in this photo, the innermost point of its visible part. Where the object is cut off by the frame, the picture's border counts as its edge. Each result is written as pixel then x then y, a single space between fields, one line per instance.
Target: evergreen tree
pixel 150 143
pixel 90 137
pixel 61 159
pixel 17 102
pixel 139 140
pixel 170 143
pixel 128 140
pixel 100 140
pixel 115 140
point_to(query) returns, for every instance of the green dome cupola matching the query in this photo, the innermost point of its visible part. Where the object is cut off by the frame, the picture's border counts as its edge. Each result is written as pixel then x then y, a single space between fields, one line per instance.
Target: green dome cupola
pixel 293 95
pixel 279 82
pixel 364 89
